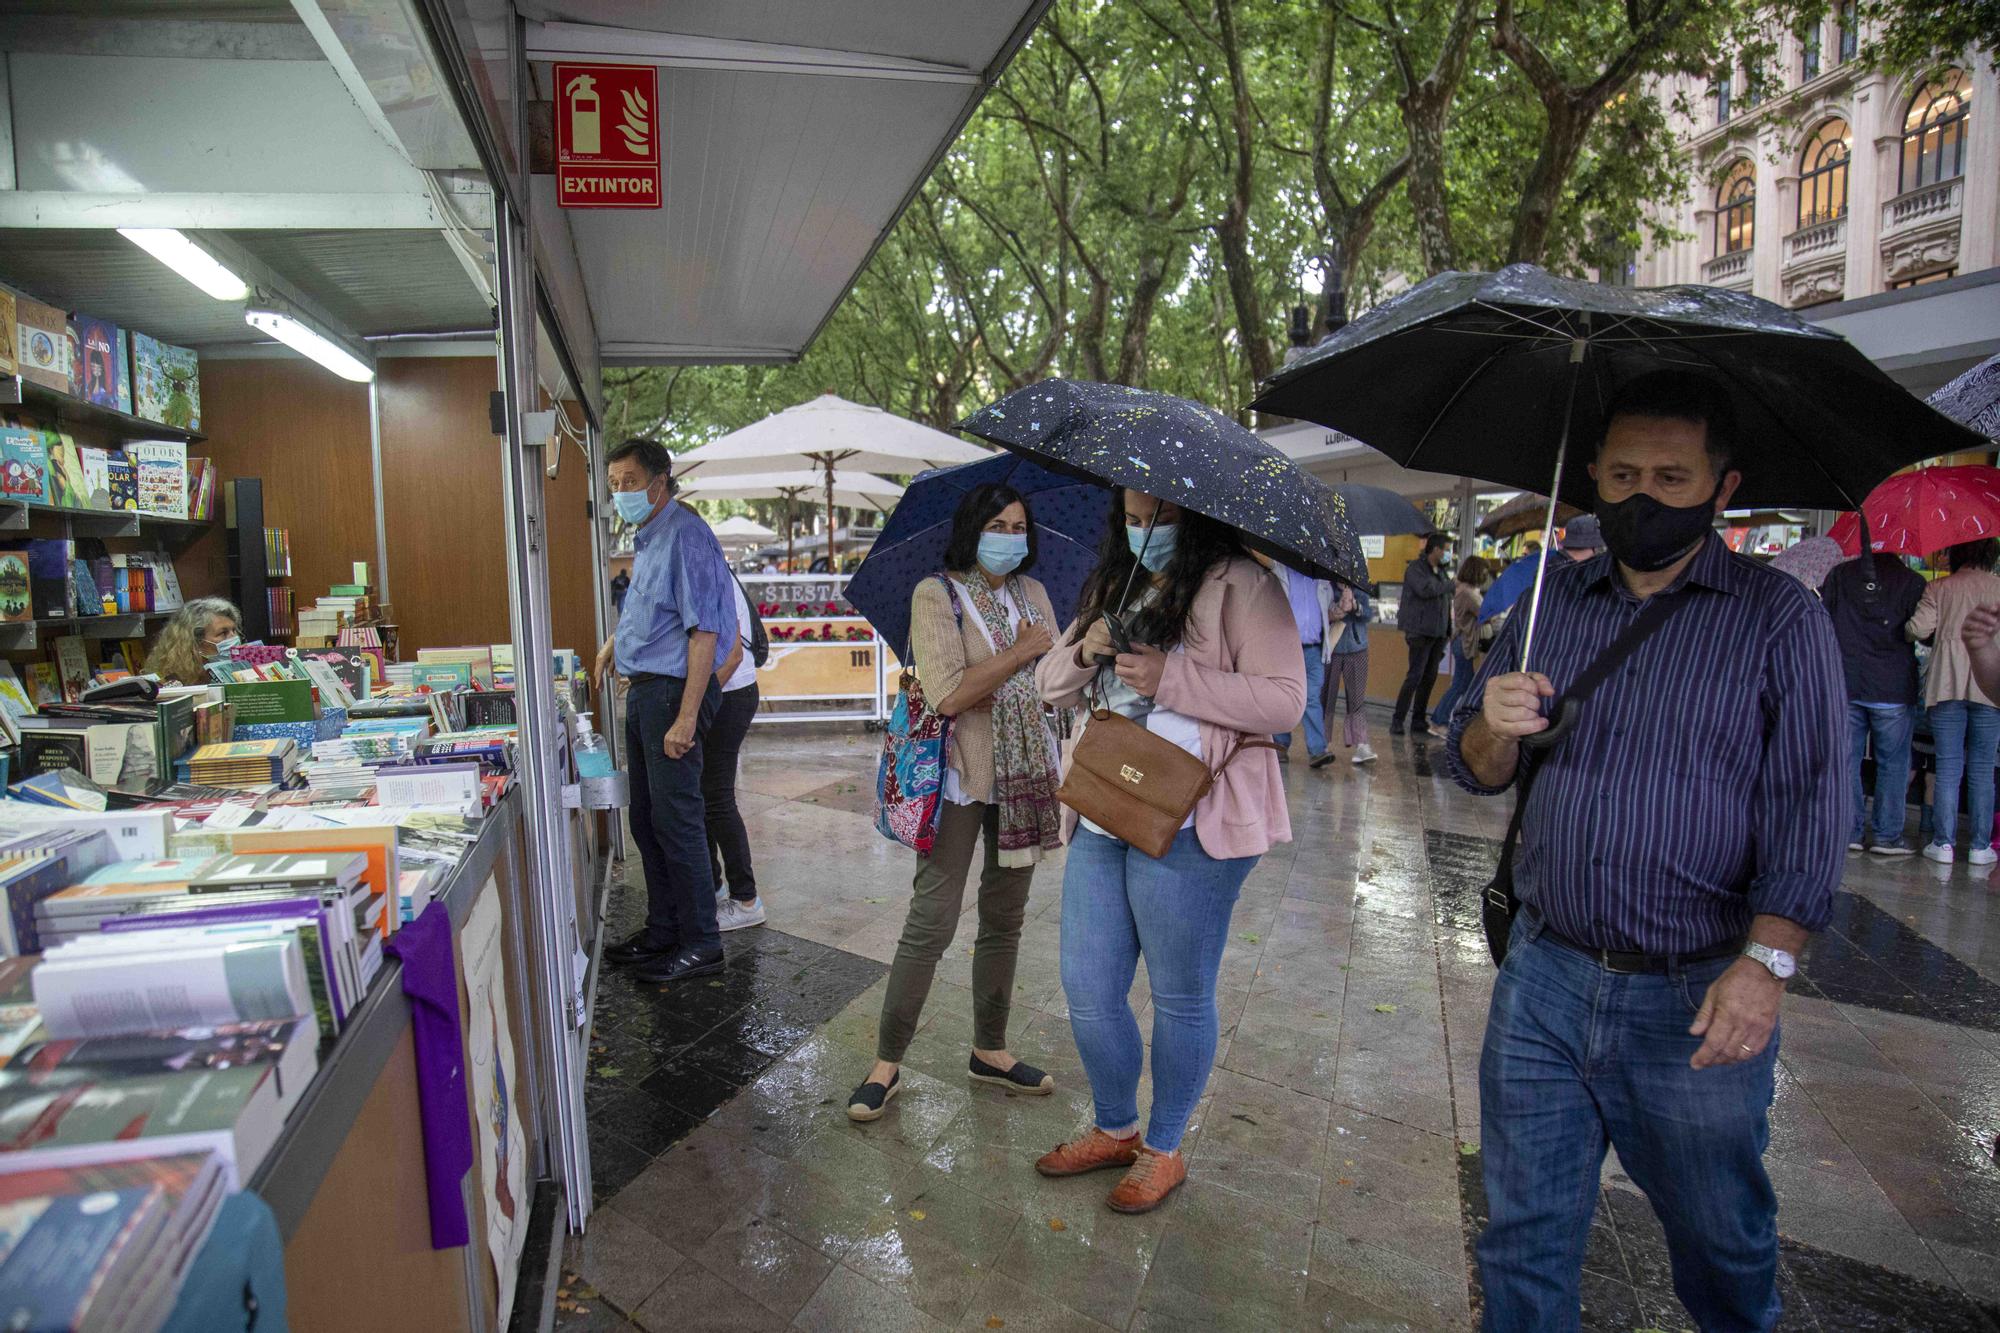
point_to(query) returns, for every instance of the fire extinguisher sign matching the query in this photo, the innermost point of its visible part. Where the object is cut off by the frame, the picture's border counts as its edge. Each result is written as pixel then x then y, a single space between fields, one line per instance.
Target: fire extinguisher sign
pixel 608 130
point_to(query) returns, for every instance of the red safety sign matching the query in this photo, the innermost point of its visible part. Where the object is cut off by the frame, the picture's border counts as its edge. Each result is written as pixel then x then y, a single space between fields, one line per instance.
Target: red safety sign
pixel 608 136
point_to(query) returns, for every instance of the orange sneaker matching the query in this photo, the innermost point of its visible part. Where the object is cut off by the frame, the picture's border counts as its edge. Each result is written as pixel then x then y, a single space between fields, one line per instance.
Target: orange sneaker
pixel 1152 1178
pixel 1095 1151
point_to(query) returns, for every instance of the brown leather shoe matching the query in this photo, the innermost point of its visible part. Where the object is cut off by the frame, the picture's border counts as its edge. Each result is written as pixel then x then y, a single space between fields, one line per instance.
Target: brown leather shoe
pixel 1093 1152
pixel 1152 1178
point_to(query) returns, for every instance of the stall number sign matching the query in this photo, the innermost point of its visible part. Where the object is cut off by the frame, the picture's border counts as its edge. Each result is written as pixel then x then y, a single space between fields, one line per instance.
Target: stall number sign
pixel 608 136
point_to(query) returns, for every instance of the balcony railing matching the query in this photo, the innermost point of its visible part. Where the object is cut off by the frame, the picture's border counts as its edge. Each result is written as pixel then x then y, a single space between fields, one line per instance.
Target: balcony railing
pixel 1730 270
pixel 1816 241
pixel 1925 205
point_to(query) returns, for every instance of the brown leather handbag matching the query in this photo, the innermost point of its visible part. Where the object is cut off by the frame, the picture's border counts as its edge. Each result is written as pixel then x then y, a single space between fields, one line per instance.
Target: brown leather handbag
pixel 1136 785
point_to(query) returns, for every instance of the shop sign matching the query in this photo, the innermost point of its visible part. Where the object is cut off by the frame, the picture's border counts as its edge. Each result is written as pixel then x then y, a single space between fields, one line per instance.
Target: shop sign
pixel 607 136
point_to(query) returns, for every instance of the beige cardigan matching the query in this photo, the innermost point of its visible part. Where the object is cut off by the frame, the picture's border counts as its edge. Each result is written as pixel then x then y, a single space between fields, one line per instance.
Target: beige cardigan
pixel 1945 605
pixel 943 649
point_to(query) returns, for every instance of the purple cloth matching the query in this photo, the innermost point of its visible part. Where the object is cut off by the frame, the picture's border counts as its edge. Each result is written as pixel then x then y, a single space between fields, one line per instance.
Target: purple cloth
pixel 1303 592
pixel 430 980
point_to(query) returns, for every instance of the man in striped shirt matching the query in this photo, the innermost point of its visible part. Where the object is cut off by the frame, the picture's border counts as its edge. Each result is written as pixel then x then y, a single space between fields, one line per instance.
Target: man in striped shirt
pixel 1677 849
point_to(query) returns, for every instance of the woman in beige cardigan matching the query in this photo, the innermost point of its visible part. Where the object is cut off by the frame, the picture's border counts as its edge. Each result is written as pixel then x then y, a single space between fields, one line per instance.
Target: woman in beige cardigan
pixel 976 633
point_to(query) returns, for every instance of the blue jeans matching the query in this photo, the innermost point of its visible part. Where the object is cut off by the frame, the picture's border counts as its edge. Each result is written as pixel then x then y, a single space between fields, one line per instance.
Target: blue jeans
pixel 1966 735
pixel 1461 681
pixel 1577 1058
pixel 1315 718
pixel 1889 725
pixel 1120 904
pixel 669 817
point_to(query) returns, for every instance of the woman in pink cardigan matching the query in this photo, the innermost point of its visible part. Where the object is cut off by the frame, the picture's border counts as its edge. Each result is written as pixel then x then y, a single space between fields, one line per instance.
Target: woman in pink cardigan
pixel 1215 658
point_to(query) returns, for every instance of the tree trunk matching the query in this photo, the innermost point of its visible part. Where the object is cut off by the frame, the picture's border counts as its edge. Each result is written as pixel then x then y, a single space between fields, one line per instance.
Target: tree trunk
pixel 1541 193
pixel 1233 231
pixel 1424 116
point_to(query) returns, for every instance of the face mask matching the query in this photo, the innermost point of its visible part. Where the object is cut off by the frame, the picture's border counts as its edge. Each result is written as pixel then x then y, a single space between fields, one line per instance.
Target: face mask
pixel 1154 552
pixel 221 647
pixel 633 506
pixel 1002 552
pixel 1646 535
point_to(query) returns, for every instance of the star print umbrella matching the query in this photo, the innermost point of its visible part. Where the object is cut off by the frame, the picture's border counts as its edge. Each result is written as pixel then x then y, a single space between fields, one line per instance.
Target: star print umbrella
pixel 1186 453
pixel 1069 517
pixel 1916 513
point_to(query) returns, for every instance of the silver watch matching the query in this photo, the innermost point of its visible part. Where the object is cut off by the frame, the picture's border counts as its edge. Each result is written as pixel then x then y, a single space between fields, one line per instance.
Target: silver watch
pixel 1780 964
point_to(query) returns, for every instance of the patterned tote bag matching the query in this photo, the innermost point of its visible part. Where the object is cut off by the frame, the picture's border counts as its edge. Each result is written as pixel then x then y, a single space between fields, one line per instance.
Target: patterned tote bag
pixel 909 781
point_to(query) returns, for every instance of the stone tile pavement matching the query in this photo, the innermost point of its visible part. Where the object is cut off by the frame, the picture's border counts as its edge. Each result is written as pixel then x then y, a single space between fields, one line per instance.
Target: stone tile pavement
pixel 1334 1177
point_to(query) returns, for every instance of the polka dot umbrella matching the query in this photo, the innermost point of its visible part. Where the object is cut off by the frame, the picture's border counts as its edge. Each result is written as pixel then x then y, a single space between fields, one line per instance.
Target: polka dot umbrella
pixel 1186 453
pixel 1916 513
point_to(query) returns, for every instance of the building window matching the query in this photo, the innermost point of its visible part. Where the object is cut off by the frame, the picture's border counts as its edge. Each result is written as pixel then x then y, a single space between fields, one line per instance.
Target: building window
pixel 1850 29
pixel 1722 100
pixel 1938 276
pixel 1736 209
pixel 1753 86
pixel 1823 174
pixel 1934 133
pixel 1809 53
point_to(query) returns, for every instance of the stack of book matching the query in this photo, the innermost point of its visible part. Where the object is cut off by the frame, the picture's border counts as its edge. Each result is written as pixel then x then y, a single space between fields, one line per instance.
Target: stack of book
pixel 492 747
pixel 245 763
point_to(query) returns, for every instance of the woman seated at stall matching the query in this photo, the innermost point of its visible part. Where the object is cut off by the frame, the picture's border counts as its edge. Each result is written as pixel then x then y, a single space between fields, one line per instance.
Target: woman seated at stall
pixel 201 631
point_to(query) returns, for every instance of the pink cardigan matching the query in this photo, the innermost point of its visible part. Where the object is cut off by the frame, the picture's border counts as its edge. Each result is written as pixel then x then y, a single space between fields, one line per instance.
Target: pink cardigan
pixel 1242 671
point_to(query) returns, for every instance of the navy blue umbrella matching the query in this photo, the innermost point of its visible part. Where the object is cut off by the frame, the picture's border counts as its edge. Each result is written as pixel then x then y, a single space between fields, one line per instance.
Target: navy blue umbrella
pixel 1377 511
pixel 1070 517
pixel 1184 452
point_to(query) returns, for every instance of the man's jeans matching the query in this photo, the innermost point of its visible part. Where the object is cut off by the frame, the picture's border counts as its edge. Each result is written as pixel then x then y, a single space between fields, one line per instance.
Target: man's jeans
pixel 1315 716
pixel 1889 725
pixel 1966 735
pixel 1462 672
pixel 1577 1058
pixel 1119 904
pixel 668 815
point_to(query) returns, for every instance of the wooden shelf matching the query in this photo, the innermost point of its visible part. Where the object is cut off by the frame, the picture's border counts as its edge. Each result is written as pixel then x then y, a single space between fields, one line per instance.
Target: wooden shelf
pixel 19 391
pixel 15 516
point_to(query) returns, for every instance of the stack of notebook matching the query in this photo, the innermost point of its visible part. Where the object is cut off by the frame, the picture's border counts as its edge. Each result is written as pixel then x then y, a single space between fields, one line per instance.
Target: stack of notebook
pixel 245 763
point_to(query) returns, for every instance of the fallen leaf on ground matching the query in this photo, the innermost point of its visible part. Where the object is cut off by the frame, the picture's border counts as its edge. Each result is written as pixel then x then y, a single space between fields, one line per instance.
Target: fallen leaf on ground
pixel 918 1214
pixel 1249 937
pixel 1057 1224
pixel 609 1071
pixel 874 900
pixel 1343 1181
pixel 996 1322
pixel 1468 1149
pixel 1385 1008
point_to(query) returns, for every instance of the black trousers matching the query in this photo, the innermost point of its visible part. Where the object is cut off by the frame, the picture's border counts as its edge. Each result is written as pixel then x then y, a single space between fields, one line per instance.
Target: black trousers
pixel 728 840
pixel 1415 696
pixel 666 814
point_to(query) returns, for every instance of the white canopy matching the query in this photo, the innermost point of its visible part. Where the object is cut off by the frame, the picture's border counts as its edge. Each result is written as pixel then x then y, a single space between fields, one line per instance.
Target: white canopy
pixel 739 529
pixel 828 432
pixel 856 490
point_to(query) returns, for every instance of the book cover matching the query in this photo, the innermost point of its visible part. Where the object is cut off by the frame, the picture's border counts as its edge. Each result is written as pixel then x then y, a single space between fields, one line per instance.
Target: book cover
pixel 50 751
pixel 16 602
pixel 41 344
pixel 96 475
pixel 48 560
pixel 67 1258
pixel 441 676
pixel 122 479
pixel 13 695
pixel 269 701
pixel 166 383
pixel 168 980
pixel 7 361
pixel 44 686
pixel 163 475
pixel 222 1046
pixel 62 789
pixel 84 593
pixel 24 465
pixel 99 372
pixel 381 870
pixel 300 871
pixel 66 481
pixel 72 666
pixel 201 488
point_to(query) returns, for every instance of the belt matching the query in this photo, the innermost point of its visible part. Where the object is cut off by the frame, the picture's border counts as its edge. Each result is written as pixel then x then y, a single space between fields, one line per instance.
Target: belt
pixel 1619 960
pixel 641 677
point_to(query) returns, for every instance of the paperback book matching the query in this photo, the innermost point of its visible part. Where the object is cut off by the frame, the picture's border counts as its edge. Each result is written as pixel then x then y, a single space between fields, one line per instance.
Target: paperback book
pixel 24 465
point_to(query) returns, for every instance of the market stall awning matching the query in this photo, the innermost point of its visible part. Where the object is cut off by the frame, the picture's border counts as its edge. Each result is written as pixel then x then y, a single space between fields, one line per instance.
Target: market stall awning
pixel 794 136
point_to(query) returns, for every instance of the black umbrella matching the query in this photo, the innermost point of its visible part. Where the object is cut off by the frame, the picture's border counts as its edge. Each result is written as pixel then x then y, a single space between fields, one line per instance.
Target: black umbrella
pixel 1491 375
pixel 1377 511
pixel 1973 399
pixel 1180 451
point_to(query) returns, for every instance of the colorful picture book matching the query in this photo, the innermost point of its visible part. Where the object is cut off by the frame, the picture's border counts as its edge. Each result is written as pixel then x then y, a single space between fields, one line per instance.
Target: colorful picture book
pixel 122 479
pixel 41 343
pixel 16 604
pixel 7 363
pixel 163 476
pixel 96 475
pixel 166 383
pixel 97 375
pixel 24 465
pixel 67 485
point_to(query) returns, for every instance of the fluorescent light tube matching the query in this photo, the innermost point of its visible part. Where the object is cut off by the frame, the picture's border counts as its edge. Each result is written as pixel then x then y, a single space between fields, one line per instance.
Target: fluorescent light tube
pixel 310 343
pixel 189 260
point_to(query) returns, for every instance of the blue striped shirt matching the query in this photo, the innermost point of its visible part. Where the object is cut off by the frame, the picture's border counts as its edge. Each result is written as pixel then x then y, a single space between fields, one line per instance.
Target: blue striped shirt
pixel 1706 782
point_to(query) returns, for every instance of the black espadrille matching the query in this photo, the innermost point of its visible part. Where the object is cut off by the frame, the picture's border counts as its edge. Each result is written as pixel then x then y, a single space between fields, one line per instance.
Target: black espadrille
pixel 1023 1077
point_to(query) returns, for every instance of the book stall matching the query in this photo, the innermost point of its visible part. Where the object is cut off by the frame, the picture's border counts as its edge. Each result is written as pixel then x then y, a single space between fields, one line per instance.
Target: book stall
pixel 827 664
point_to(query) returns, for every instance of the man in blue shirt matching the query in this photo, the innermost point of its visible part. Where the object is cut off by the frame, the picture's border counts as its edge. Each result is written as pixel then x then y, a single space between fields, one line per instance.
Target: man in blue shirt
pixel 1310 598
pixel 1677 849
pixel 680 604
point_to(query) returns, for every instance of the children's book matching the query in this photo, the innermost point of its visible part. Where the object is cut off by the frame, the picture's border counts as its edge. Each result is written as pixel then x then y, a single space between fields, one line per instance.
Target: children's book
pixel 122 477
pixel 67 484
pixel 96 475
pixel 13 696
pixel 16 603
pixel 72 666
pixel 7 362
pixel 163 476
pixel 24 465
pixel 98 374
pixel 166 383
pixel 44 685
pixel 41 345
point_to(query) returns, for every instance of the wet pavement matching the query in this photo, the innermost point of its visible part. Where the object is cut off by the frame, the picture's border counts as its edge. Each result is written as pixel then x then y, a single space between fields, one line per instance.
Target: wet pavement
pixel 1334 1171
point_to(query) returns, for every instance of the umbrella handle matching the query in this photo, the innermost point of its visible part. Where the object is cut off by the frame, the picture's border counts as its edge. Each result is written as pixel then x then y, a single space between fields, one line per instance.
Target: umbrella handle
pixel 1569 712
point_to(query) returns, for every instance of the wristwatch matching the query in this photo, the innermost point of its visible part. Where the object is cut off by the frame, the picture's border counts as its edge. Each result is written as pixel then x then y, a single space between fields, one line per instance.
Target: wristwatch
pixel 1780 964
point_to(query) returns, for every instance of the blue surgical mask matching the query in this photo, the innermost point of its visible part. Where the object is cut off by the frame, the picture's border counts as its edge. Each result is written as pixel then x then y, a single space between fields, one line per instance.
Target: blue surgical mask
pixel 633 506
pixel 222 646
pixel 1156 551
pixel 1002 552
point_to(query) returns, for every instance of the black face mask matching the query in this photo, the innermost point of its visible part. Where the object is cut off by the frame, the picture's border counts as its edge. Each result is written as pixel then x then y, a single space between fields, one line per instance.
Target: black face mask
pixel 1645 535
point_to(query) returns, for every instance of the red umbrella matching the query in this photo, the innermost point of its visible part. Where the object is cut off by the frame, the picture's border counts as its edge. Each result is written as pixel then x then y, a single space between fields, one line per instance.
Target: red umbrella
pixel 1916 513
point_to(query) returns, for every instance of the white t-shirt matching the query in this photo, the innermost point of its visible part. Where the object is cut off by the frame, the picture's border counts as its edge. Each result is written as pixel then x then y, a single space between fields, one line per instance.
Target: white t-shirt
pixel 952 791
pixel 745 674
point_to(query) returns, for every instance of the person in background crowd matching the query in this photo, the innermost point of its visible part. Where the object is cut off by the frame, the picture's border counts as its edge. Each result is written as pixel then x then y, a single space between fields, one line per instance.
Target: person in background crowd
pixel 974 644
pixel 1425 619
pixel 1347 669
pixel 1677 849
pixel 1870 600
pixel 1473 578
pixel 1215 661
pixel 678 607
pixel 1965 725
pixel 1582 538
pixel 737 905
pixel 201 631
pixel 1310 599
